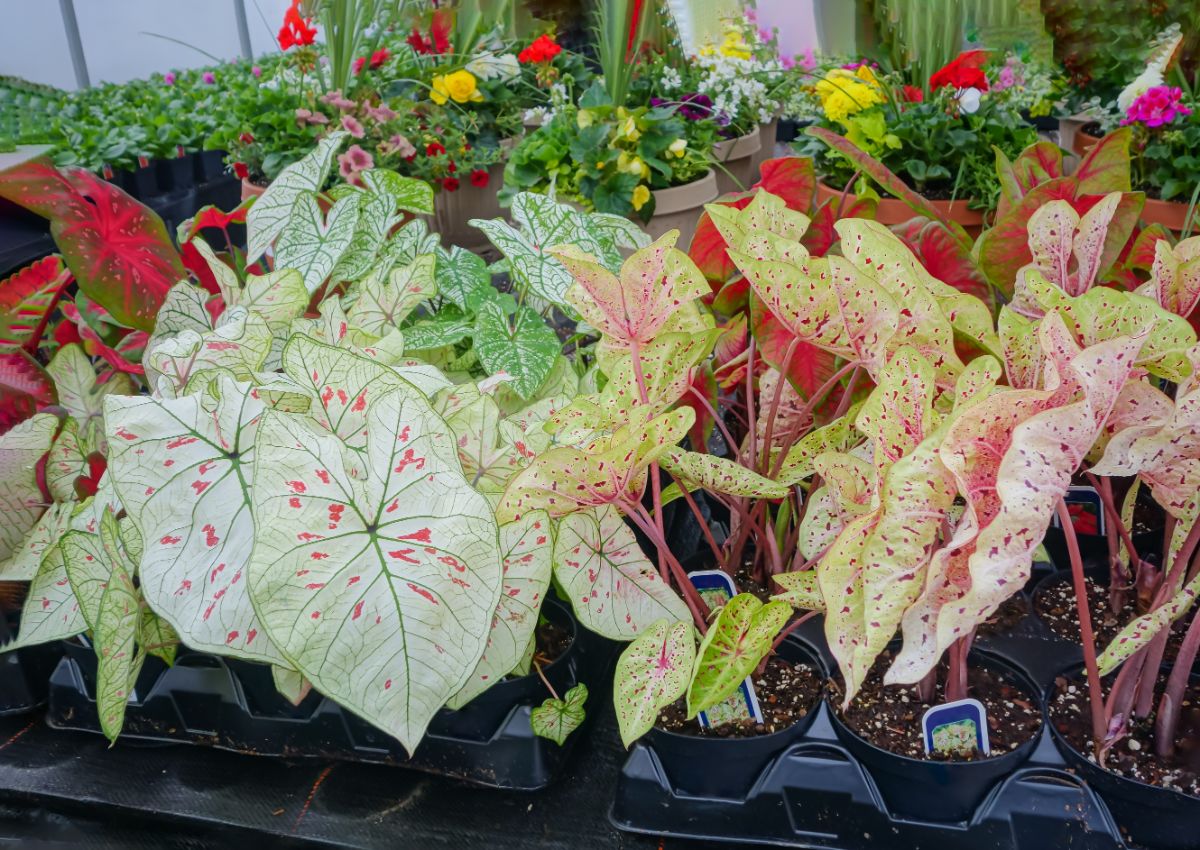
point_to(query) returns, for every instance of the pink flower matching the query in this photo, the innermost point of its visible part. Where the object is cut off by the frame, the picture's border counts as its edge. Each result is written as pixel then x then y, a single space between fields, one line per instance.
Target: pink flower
pixel 209 77
pixel 338 101
pixel 352 126
pixel 381 113
pixel 810 59
pixel 1006 79
pixel 169 78
pixel 397 144
pixel 788 62
pixel 352 162
pixel 256 71
pixel 1156 106
pixel 764 35
pixel 304 116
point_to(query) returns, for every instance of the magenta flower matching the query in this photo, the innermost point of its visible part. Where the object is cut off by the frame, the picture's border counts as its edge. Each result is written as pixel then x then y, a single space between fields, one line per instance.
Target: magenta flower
pixel 788 62
pixel 209 77
pixel 352 162
pixel 256 71
pixel 397 144
pixel 351 125
pixel 810 59
pixel 169 78
pixel 1156 106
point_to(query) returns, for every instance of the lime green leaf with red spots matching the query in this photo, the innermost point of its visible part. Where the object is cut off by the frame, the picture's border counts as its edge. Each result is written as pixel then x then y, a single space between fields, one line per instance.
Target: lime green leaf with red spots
pixel 652 672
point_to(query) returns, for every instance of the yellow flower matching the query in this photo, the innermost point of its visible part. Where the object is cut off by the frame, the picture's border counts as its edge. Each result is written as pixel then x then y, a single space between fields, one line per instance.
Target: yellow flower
pixel 844 93
pixel 640 195
pixel 629 130
pixel 632 165
pixel 735 45
pixel 459 87
pixel 678 147
pixel 584 119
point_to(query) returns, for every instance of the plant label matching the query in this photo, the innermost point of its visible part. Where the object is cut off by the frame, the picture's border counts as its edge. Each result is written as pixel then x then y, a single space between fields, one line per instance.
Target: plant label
pixel 716 588
pixel 1086 509
pixel 956 728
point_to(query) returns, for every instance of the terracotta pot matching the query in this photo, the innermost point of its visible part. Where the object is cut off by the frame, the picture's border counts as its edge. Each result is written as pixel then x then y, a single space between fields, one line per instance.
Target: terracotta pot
pixel 737 169
pixel 892 211
pixel 767 134
pixel 452 210
pixel 679 207
pixel 251 190
pixel 1083 142
pixel 1170 214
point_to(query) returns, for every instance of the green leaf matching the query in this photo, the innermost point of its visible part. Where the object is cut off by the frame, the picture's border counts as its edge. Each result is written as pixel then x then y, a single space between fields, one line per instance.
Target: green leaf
pixel 241 343
pixel 719 475
pixel 522 346
pixel 734 645
pixel 405 193
pixel 381 304
pixel 376 576
pixel 114 634
pixel 21 502
pixel 652 672
pixel 82 394
pixel 462 276
pixel 557 718
pixel 436 333
pixel 800 590
pixel 313 243
pixel 269 214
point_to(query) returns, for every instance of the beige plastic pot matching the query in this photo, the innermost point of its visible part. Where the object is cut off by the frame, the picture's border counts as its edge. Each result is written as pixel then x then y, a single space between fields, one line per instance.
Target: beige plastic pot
pixel 736 168
pixel 452 210
pixel 766 133
pixel 680 207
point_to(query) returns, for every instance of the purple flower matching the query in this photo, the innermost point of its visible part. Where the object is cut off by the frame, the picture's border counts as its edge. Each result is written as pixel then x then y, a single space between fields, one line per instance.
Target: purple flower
pixel 209 77
pixel 352 162
pixel 696 106
pixel 256 71
pixel 381 113
pixel 1156 106
pixel 788 62
pixel 169 78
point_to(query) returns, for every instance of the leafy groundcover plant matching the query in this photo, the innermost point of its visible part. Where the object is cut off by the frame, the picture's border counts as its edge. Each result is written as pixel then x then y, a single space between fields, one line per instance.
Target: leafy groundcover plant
pixel 299 483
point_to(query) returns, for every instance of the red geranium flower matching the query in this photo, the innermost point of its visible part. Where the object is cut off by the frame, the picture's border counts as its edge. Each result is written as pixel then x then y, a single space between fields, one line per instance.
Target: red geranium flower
pixel 241 170
pixel 543 49
pixel 450 184
pixel 246 138
pixel 379 57
pixel 439 36
pixel 965 71
pixel 912 94
pixel 479 178
pixel 434 149
pixel 296 31
pixel 358 64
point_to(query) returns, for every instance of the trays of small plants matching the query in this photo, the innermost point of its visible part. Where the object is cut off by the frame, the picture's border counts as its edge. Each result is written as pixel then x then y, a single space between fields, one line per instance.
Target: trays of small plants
pixel 236 705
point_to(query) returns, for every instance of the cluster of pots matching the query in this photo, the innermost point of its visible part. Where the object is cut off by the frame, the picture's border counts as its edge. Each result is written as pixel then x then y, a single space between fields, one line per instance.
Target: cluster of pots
pixel 175 188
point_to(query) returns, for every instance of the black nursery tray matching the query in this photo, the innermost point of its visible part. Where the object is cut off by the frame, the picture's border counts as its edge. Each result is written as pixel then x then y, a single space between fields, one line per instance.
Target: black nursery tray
pixel 817 794
pixel 23 672
pixel 233 705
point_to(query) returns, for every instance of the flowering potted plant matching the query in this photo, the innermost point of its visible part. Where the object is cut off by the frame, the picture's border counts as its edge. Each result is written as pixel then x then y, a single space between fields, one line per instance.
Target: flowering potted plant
pixel 939 140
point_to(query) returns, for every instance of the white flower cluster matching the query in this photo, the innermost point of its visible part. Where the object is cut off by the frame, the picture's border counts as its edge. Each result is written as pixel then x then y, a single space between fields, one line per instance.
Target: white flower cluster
pixel 740 87
pixel 671 80
pixel 543 115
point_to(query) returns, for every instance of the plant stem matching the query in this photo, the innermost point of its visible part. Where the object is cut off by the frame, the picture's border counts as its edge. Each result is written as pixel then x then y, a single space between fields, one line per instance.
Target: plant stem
pixel 545 681
pixel 1166 725
pixel 1087 636
pixel 789 628
pixel 695 603
pixel 703 523
pixel 776 398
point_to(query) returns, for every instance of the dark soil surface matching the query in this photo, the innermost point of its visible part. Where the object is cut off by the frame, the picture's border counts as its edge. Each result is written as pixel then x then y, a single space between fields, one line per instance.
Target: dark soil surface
pixel 1012 611
pixel 890 717
pixel 787 691
pixel 1054 604
pixel 1133 756
pixel 552 641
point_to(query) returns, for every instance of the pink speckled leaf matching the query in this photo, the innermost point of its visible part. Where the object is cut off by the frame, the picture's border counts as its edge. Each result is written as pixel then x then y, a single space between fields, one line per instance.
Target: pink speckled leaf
pixel 1143 629
pixel 898 414
pixel 21 500
pixel 734 645
pixel 182 468
pixel 709 472
pixel 1175 276
pixel 801 589
pixel 378 583
pixel 652 673
pixel 525 552
pixel 614 590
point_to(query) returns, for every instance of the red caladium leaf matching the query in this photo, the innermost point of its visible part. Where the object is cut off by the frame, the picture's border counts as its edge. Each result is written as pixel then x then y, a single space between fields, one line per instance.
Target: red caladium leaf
pixel 1106 167
pixel 1139 254
pixel 705 384
pixel 125 357
pixel 943 256
pixel 117 248
pixel 26 300
pixel 213 217
pixel 793 178
pixel 810 366
pixel 733 297
pixel 1038 163
pixel 708 250
pixel 25 388
pixel 888 181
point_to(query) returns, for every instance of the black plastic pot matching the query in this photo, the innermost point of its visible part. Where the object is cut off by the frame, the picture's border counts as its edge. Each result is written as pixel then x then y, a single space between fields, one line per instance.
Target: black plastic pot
pixel 1150 816
pixel 24 673
pixel 175 207
pixel 232 705
pixel 937 790
pixel 1093 548
pixel 145 182
pixel 123 179
pixel 209 165
pixel 741 760
pixel 177 173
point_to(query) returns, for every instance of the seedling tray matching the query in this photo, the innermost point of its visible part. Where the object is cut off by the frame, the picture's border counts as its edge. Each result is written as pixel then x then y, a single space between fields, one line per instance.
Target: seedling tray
pixel 817 794
pixel 231 705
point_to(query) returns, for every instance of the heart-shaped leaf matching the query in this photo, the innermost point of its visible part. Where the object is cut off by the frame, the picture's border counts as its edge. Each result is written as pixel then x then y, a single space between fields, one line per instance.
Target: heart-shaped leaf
pixel 270 213
pixel 557 718
pixel 312 242
pixel 652 672
pixel 26 299
pixel 734 645
pixel 520 345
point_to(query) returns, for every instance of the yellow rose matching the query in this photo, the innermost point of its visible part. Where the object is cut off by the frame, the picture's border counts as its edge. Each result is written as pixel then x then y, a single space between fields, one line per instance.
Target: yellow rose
pixel 640 195
pixel 678 147
pixel 459 86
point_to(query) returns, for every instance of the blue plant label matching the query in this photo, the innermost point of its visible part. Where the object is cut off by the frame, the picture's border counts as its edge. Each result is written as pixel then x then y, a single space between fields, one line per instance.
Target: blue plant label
pixel 1086 510
pixel 716 588
pixel 956 728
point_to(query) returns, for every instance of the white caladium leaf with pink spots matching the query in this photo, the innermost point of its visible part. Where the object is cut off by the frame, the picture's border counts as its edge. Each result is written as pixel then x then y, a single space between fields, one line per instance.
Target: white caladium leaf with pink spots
pixel 1012 455
pixel 53 524
pixel 848 491
pixel 379 303
pixel 82 393
pixel 278 298
pixel 1142 630
pixel 183 469
pixel 632 308
pixel 21 500
pixel 766 213
pixel 241 343
pixel 525 551
pixel 837 436
pixel 652 672
pixel 378 585
pixel 66 462
pixel 1175 276
pixel 614 590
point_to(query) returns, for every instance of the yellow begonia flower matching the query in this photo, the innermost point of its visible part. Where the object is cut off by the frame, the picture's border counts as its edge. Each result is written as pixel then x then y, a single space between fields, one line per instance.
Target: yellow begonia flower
pixel 640 195
pixel 630 131
pixel 460 87
pixel 678 147
pixel 632 165
pixel 735 45
pixel 584 119
pixel 843 93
